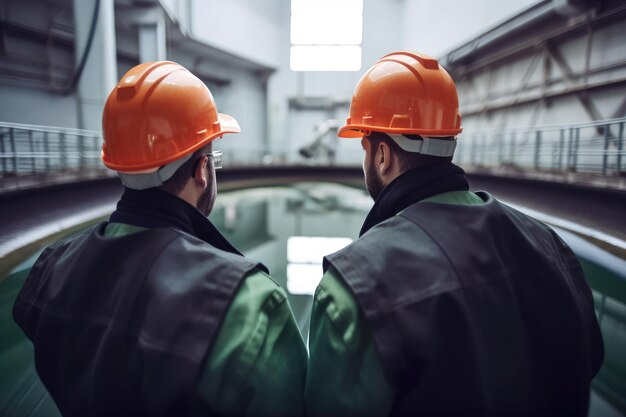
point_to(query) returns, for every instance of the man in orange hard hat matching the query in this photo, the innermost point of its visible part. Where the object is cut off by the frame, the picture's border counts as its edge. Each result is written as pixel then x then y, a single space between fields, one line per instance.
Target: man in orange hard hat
pixel 154 312
pixel 450 302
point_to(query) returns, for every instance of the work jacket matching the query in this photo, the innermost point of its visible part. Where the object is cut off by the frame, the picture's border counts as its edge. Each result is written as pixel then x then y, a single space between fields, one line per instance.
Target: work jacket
pixel 125 325
pixel 473 309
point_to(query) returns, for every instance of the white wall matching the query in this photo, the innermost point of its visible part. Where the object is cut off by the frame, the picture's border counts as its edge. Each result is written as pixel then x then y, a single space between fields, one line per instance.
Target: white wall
pixel 245 98
pixel 37 107
pixel 248 28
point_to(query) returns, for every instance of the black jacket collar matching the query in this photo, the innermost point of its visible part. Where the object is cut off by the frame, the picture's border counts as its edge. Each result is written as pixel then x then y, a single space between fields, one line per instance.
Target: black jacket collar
pixel 413 186
pixel 154 208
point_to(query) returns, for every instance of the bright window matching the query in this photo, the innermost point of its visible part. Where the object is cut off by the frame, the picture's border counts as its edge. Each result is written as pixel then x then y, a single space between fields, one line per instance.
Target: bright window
pixel 304 260
pixel 326 35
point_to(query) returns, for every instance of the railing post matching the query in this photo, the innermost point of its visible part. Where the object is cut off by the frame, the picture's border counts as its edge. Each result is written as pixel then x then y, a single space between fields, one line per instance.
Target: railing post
pixel 81 152
pixel 46 149
pixel 620 141
pixel 560 150
pixel 63 158
pixel 606 149
pixel 570 148
pixel 484 149
pixel 31 147
pixel 96 148
pixel 512 157
pixel 537 148
pixel 12 137
pixel 500 148
pixel 4 162
pixel 576 146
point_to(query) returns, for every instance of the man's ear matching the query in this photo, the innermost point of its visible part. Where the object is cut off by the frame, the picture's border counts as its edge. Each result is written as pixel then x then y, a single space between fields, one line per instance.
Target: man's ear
pixel 385 158
pixel 200 173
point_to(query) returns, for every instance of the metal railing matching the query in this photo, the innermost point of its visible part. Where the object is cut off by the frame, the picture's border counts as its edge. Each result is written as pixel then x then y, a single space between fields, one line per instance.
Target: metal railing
pixel 594 147
pixel 29 149
pixel 32 149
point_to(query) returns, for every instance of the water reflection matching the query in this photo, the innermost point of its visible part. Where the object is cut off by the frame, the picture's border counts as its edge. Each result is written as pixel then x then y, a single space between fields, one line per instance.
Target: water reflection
pixel 260 221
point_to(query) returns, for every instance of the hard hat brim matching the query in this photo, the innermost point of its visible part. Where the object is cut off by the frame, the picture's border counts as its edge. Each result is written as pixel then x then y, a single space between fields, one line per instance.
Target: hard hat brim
pixel 349 133
pixel 356 131
pixel 228 124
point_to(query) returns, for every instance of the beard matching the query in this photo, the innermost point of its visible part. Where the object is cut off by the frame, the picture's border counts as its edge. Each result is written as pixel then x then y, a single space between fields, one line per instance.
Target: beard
pixel 207 198
pixel 373 182
pixel 206 201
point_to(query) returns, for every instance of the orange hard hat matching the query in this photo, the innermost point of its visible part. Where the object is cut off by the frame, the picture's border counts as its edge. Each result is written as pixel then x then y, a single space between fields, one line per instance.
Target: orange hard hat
pixel 404 93
pixel 158 113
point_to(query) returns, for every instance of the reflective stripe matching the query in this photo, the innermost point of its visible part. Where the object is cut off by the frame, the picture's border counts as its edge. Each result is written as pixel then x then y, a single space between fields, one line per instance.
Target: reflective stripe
pixel 152 179
pixel 426 145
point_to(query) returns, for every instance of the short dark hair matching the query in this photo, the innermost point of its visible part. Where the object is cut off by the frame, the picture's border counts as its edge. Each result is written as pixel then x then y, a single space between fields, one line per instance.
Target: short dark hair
pixel 176 183
pixel 408 160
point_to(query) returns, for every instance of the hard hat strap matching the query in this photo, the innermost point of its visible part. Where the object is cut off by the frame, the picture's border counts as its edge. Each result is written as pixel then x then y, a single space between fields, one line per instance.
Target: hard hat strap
pixel 426 145
pixel 152 179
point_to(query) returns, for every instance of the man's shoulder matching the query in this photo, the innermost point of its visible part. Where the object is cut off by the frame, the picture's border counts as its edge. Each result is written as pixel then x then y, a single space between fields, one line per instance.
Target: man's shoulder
pixel 394 235
pixel 76 237
pixel 334 295
pixel 261 280
pixel 191 247
pixel 257 287
pixel 61 247
pixel 159 249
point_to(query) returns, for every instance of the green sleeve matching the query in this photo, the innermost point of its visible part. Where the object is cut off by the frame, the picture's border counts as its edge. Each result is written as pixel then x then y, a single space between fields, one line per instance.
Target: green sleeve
pixel 345 375
pixel 257 365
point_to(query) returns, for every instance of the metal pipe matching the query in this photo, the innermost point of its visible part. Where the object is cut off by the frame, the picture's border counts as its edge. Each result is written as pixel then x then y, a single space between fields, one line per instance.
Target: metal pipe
pixel 547 127
pixel 481 107
pixel 83 60
pixel 53 129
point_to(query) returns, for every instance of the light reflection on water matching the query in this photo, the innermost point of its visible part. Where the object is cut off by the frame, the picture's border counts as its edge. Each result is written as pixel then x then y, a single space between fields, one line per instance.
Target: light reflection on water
pixel 259 222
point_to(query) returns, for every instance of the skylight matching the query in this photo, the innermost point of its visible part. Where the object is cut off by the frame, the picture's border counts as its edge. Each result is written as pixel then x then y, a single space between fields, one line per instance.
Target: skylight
pixel 326 35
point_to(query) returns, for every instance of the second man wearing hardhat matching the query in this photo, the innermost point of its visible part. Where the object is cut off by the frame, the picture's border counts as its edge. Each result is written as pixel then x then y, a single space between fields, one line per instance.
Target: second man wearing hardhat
pixel 154 312
pixel 450 302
